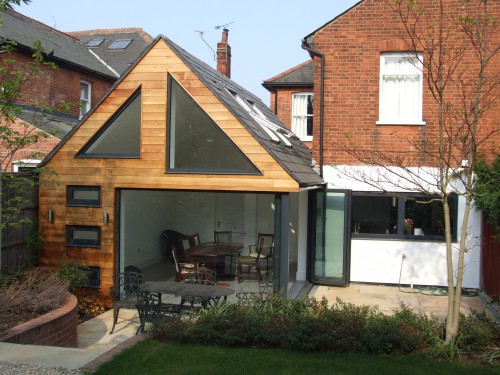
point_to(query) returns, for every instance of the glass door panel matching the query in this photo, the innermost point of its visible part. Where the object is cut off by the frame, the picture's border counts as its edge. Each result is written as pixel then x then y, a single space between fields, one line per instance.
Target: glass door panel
pixel 331 250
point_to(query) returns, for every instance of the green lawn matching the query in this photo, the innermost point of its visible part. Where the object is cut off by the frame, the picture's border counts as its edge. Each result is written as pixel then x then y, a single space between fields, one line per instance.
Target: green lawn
pixel 152 357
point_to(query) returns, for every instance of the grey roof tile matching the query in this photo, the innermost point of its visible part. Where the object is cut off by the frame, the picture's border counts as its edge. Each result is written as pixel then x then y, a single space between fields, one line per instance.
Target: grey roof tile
pixel 118 59
pixel 292 159
pixel 60 46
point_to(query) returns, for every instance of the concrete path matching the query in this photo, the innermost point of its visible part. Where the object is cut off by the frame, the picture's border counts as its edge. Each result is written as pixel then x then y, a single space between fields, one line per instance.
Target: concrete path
pixel 94 341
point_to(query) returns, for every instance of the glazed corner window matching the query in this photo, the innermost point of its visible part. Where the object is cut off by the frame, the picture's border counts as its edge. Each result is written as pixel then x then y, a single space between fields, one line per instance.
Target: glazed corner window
pixel 83 236
pixel 302 115
pixel 87 196
pixel 409 217
pixel 120 44
pixel 85 96
pixel 401 82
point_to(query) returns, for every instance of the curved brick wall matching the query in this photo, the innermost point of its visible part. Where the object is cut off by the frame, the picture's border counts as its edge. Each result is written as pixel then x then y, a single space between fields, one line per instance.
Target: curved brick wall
pixel 56 328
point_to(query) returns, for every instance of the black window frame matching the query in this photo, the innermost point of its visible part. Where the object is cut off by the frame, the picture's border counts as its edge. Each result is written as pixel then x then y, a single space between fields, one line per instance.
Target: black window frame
pixel 83 152
pixel 72 202
pixel 71 241
pixel 400 205
pixel 93 277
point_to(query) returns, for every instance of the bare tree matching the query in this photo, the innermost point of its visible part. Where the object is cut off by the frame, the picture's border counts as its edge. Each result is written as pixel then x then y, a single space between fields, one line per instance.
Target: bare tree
pixel 457 49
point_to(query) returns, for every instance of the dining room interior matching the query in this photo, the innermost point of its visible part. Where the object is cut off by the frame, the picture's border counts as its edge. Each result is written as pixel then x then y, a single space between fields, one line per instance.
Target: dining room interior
pixel 147 215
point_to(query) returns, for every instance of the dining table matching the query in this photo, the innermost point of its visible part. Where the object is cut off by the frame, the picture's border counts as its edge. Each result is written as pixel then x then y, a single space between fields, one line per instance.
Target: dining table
pixel 189 292
pixel 215 252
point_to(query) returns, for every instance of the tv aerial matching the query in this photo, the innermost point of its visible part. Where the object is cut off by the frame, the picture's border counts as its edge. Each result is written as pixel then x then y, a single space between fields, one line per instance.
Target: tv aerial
pixel 224 26
pixel 201 36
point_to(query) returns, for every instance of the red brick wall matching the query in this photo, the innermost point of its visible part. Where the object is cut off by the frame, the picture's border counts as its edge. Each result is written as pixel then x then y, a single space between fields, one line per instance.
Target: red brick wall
pixel 44 146
pixel 51 87
pixel 352 46
pixel 57 328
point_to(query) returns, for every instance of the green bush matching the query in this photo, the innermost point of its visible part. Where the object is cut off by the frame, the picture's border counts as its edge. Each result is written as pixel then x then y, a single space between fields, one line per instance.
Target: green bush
pixel 75 276
pixel 311 325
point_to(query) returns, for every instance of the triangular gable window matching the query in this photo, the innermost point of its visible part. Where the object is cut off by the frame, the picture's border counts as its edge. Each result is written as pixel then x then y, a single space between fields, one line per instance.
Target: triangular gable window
pixel 120 137
pixel 196 144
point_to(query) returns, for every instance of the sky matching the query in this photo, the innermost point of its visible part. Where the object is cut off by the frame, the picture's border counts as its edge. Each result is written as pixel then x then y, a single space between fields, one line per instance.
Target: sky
pixel 265 35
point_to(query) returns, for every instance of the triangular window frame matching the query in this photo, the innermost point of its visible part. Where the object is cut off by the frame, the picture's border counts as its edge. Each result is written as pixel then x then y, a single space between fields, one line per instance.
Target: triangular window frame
pixel 249 169
pixel 84 152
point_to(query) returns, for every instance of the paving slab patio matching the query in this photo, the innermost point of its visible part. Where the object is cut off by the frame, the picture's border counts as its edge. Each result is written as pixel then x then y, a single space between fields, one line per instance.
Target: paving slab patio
pixel 428 301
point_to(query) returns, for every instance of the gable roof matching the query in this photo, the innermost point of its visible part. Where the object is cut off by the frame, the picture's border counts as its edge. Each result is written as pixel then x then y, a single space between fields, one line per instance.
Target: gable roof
pixel 118 59
pixel 60 47
pixel 333 20
pixel 301 75
pixel 295 160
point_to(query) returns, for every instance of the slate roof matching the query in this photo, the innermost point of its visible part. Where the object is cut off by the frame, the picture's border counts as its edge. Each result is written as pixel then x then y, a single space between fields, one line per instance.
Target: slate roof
pixel 296 160
pixel 57 124
pixel 118 59
pixel 60 47
pixel 301 75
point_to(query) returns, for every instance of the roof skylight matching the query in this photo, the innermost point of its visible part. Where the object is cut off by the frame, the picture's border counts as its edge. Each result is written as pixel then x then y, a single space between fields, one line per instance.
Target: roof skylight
pixel 120 44
pixel 96 42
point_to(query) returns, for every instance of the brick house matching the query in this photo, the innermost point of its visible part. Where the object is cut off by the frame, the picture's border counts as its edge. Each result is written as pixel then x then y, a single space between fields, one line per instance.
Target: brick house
pixel 364 238
pixel 84 74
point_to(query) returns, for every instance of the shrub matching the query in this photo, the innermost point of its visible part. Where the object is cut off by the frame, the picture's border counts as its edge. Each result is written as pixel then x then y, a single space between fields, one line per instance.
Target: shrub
pixel 75 276
pixel 34 292
pixel 311 325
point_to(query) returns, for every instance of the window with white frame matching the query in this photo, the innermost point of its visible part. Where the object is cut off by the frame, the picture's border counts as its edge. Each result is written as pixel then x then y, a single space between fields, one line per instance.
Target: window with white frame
pixel 401 81
pixel 302 115
pixel 84 97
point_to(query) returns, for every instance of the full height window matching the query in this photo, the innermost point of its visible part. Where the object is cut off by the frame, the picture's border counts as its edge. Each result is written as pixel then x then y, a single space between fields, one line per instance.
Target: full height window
pixel 401 81
pixel 302 115
pixel 84 97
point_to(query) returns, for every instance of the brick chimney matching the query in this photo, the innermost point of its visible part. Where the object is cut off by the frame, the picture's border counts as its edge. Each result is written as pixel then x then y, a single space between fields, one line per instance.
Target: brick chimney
pixel 224 55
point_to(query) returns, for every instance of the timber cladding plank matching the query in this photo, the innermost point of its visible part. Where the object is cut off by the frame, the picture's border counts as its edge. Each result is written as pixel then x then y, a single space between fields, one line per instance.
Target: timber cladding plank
pixel 147 171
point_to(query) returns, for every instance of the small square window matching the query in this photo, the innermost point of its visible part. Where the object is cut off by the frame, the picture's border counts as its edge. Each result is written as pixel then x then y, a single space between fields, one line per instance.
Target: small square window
pixel 93 276
pixel 83 236
pixel 87 196
pixel 94 42
pixel 120 44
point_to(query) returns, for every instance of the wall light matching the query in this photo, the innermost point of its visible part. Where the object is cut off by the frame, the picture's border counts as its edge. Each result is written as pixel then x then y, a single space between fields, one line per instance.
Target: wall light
pixel 105 217
pixel 394 201
pixel 50 215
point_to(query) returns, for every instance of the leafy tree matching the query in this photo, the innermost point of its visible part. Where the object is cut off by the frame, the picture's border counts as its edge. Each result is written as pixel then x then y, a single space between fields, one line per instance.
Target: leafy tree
pixel 460 44
pixel 15 134
pixel 487 191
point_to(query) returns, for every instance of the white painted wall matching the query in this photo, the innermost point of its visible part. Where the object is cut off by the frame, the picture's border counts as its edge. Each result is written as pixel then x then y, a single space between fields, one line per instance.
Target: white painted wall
pixel 381 261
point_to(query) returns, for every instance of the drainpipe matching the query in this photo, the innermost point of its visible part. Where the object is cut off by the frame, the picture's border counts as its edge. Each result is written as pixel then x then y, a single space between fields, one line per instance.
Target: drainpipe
pixel 321 55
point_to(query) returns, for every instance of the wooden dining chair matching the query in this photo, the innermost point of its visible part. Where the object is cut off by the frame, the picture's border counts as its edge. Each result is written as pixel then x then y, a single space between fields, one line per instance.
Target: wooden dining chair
pixel 251 263
pixel 222 236
pixel 267 247
pixel 183 270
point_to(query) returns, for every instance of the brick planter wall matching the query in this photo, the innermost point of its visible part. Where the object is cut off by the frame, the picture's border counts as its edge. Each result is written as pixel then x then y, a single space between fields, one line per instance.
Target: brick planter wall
pixel 56 328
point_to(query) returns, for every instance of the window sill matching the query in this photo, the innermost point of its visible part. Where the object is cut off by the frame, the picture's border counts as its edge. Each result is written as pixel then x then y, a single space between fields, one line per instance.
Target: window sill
pixel 403 237
pixel 403 123
pixel 306 138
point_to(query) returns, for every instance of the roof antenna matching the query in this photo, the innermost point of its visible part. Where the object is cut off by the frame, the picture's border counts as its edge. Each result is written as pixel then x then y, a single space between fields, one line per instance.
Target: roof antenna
pixel 224 26
pixel 201 36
